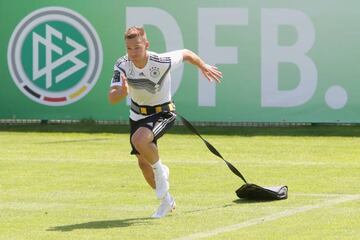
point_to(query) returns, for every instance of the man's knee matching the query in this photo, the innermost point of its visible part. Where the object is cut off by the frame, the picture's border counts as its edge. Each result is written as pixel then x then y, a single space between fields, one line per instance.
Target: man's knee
pixel 142 137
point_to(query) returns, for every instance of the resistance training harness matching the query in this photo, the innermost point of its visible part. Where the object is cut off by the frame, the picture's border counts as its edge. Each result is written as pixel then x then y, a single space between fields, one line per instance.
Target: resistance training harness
pixel 247 190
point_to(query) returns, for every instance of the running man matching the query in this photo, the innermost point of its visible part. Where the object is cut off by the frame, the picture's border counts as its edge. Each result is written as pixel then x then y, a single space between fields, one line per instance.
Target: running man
pixel 145 76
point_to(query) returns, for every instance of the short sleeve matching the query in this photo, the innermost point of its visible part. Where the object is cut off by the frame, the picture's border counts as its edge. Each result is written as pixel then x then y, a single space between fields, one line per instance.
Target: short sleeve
pixel 176 58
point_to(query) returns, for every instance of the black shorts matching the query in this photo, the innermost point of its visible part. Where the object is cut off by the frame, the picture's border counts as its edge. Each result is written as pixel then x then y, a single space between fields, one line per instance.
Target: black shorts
pixel 158 123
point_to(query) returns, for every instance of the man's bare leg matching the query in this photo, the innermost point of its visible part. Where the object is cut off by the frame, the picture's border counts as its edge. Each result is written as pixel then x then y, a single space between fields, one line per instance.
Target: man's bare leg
pixel 142 139
pixel 154 172
pixel 147 171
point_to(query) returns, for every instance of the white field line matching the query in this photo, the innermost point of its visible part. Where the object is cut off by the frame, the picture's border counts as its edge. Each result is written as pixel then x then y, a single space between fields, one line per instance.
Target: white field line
pixel 271 217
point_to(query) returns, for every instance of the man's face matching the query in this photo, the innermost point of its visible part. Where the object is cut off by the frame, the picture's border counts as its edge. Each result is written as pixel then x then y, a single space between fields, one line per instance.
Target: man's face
pixel 136 48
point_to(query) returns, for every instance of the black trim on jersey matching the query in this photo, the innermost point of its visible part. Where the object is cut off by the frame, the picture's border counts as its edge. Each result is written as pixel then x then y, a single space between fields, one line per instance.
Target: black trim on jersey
pixel 158 59
pixel 123 70
pixel 121 60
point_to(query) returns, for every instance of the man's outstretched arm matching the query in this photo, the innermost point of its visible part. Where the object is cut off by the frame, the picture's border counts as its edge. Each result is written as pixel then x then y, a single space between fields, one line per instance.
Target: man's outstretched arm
pixel 210 72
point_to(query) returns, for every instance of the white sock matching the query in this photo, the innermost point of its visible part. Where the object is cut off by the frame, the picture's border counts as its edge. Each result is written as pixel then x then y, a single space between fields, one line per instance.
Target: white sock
pixel 168 197
pixel 158 167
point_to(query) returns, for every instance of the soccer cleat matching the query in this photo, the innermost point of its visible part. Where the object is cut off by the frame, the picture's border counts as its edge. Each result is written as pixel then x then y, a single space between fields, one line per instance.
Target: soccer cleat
pixel 166 206
pixel 162 183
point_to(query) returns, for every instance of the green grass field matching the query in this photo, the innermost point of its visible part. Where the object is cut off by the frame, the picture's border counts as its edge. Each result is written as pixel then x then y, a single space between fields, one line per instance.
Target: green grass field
pixel 79 182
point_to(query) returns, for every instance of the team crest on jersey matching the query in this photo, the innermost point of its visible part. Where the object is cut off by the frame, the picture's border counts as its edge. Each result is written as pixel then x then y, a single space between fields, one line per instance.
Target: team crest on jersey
pixel 154 72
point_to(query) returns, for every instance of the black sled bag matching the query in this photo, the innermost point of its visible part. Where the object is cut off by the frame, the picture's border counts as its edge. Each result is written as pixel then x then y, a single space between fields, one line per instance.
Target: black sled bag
pixel 255 192
pixel 248 190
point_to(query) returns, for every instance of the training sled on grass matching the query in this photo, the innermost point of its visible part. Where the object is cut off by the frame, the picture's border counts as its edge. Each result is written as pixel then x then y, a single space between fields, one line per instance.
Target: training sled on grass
pixel 248 190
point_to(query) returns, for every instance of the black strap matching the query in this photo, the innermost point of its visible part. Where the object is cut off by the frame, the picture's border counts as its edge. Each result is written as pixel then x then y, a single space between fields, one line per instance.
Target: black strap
pixel 212 148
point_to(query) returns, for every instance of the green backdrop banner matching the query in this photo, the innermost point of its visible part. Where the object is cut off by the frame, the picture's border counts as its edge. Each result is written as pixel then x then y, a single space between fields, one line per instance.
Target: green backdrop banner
pixel 282 61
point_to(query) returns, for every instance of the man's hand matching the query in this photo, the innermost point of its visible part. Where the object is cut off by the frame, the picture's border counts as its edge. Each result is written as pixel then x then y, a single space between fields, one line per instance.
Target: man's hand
pixel 118 93
pixel 124 86
pixel 211 73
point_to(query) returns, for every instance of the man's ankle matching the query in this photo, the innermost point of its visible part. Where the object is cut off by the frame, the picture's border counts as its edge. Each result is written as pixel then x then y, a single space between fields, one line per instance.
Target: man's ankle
pixel 157 167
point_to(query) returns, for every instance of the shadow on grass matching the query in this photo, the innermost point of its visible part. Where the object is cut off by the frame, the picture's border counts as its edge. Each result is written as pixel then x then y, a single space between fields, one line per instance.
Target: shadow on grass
pixel 103 224
pixel 251 201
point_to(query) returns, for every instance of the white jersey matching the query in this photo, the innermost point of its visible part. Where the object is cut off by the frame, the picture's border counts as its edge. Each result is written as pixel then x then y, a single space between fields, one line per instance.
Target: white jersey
pixel 150 85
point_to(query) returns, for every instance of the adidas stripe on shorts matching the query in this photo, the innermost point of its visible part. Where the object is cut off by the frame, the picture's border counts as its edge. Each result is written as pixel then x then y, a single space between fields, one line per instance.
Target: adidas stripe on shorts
pixel 158 123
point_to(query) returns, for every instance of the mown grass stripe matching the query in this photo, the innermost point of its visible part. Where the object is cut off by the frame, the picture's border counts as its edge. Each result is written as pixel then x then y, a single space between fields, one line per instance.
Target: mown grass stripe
pixel 271 217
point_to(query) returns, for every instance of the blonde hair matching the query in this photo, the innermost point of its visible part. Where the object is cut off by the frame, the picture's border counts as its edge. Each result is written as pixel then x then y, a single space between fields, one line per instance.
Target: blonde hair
pixel 134 32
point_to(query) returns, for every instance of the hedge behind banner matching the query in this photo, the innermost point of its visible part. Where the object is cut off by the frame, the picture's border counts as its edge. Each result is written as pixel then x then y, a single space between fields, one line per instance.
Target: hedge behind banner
pixel 282 61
